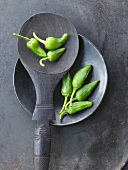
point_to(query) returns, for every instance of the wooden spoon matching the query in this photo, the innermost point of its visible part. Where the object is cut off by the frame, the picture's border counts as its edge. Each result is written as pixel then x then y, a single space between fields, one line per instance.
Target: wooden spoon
pixel 46 78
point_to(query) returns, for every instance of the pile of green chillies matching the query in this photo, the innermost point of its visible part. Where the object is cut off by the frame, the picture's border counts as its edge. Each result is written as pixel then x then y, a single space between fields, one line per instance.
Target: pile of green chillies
pixel 75 90
pixel 72 89
pixel 52 44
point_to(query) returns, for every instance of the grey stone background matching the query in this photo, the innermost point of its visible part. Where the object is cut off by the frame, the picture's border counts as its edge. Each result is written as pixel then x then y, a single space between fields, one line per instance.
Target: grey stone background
pixel 101 141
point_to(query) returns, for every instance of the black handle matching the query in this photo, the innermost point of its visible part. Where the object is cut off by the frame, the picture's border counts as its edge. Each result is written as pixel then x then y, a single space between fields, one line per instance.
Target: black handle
pixel 42 147
pixel 43 113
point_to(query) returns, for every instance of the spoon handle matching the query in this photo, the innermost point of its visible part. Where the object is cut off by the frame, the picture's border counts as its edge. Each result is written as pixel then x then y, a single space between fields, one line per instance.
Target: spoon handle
pixel 43 113
pixel 42 147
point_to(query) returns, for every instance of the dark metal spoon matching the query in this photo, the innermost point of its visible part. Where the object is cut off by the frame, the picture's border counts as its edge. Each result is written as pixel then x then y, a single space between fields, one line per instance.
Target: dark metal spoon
pixel 45 79
pixel 88 54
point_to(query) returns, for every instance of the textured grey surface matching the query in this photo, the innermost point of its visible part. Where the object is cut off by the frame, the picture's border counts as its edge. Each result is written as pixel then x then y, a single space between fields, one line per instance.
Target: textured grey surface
pixel 101 141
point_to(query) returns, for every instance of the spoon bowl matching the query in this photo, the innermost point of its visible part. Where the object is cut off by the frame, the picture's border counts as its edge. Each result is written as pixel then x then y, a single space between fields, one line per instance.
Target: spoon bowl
pixel 47 25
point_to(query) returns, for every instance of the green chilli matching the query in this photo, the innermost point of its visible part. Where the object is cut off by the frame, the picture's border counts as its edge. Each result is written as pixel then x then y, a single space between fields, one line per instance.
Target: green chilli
pixel 66 89
pixel 76 107
pixel 78 80
pixel 33 45
pixel 52 43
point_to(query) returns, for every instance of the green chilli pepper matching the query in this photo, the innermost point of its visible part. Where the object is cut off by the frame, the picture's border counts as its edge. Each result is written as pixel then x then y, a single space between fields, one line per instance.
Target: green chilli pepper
pixel 53 55
pixel 33 45
pixel 78 80
pixel 76 107
pixel 86 90
pixel 52 43
pixel 66 89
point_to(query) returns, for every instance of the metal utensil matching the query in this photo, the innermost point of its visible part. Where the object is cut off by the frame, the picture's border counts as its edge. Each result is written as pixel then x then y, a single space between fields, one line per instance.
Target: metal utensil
pixel 45 79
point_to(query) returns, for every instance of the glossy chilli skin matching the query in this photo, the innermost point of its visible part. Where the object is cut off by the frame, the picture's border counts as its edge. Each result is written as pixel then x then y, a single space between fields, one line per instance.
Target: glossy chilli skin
pixel 66 89
pixel 52 43
pixel 53 55
pixel 76 107
pixel 78 80
pixel 66 85
pixel 86 90
pixel 33 45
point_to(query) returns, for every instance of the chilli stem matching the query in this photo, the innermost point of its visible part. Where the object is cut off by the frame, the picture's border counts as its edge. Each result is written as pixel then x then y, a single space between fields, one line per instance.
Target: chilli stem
pixel 69 103
pixel 20 36
pixel 65 102
pixel 62 114
pixel 39 39
pixel 42 59
pixel 71 98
